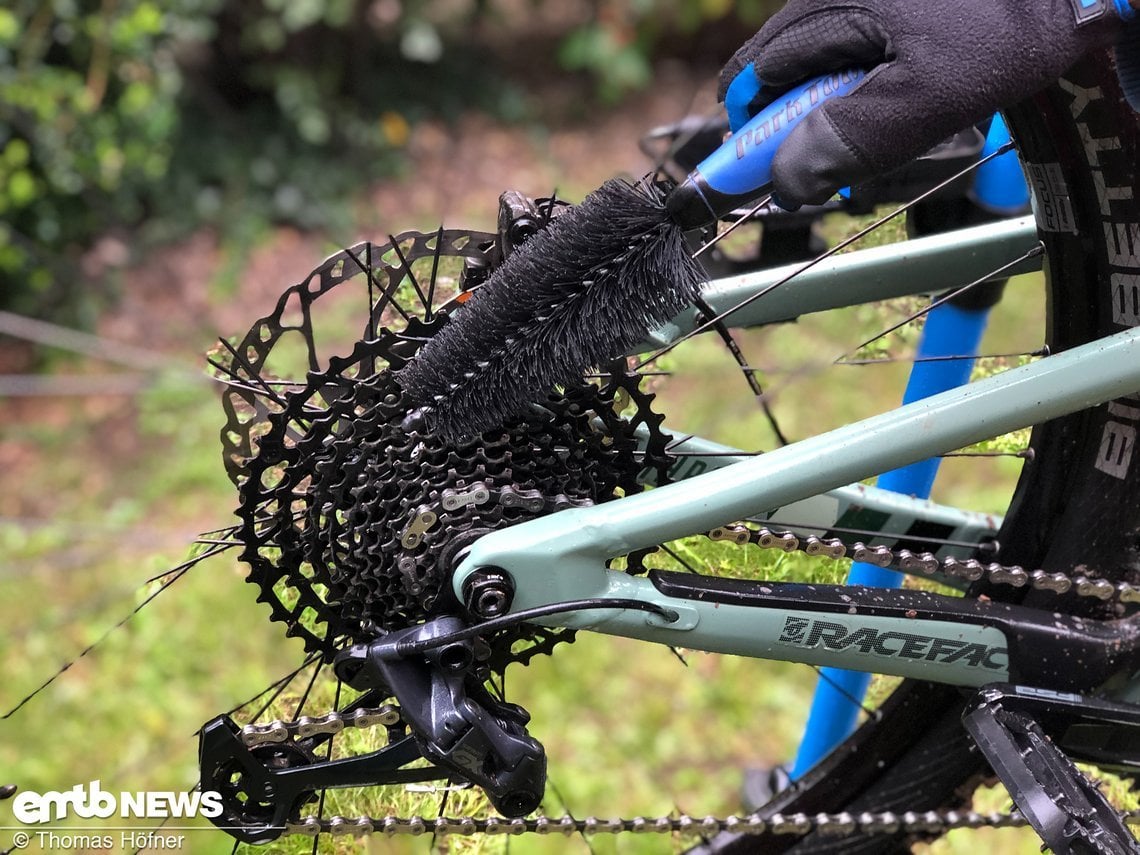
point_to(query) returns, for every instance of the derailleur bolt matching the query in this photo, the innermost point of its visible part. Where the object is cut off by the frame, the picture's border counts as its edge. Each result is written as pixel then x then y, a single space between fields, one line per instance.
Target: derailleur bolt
pixel 488 592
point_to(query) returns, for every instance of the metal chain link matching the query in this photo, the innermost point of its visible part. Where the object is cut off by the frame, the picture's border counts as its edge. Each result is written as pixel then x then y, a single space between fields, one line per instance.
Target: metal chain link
pixel 835 825
pixel 928 564
pixel 330 723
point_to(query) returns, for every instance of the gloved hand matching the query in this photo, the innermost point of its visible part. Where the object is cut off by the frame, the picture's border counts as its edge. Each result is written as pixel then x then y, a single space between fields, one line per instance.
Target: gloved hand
pixel 935 67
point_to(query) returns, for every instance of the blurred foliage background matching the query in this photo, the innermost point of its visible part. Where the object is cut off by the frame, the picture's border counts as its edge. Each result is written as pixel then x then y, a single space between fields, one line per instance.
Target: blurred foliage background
pixel 127 126
pixel 148 118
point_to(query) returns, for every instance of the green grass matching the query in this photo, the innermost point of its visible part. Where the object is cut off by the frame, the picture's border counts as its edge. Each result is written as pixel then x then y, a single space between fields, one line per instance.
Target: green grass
pixel 629 728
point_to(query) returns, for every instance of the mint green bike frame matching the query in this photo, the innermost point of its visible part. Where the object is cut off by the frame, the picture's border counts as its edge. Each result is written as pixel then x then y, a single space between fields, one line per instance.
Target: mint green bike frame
pixel 562 557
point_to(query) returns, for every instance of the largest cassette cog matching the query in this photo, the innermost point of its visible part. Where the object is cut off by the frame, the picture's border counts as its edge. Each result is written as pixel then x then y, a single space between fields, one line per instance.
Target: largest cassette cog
pixel 350 519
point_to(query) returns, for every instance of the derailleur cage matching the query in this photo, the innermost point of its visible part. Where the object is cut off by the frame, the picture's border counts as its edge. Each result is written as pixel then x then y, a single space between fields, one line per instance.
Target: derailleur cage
pixel 456 724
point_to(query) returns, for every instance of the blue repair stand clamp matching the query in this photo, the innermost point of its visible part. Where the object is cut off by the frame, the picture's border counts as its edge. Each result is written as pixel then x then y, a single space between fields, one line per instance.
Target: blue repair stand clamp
pixel 954 328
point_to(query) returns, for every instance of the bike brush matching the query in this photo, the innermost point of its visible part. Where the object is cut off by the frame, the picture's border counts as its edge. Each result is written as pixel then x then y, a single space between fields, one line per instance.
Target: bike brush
pixel 593 283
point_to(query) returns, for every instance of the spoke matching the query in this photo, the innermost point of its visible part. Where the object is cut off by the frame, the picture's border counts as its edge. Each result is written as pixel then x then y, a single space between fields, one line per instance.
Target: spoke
pixel 67 665
pixel 85 344
pixel 749 375
pixel 676 556
pixel 813 368
pixel 825 255
pixel 680 656
pixel 551 202
pixel 408 270
pixel 854 701
pixel 550 785
pixel 434 273
pixel 162 824
pixel 222 531
pixel 680 141
pixel 863 532
pixel 748 215
pixel 304 699
pixel 233 383
pixel 280 682
pixel 446 793
pixel 190 562
pixel 606 375
pixel 884 360
pixel 388 295
pixel 254 375
pixel 708 453
pixel 328 757
pixel 1025 454
pixel 283 686
pixel 370 275
pixel 1039 249
pixel 498 689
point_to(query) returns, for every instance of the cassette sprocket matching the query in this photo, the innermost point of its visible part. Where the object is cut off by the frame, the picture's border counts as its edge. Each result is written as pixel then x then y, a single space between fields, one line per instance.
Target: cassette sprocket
pixel 350 518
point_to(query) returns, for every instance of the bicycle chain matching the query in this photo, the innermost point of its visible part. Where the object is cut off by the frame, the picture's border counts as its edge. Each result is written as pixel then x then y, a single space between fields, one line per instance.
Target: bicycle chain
pixel 388 715
pixel 835 825
pixel 928 564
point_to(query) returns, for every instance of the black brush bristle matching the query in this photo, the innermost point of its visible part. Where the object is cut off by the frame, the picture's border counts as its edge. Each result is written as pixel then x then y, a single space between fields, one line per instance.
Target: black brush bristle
pixel 578 294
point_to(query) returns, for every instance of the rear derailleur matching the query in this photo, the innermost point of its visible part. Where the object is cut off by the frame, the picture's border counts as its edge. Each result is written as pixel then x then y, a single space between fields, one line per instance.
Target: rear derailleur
pixel 444 714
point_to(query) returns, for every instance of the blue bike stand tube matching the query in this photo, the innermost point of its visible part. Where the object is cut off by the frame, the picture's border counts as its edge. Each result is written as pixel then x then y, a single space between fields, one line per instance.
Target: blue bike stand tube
pixel 999 184
pixel 949 331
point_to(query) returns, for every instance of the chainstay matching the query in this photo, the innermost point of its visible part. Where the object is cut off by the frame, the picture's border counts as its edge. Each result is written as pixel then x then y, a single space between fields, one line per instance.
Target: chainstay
pixel 928 564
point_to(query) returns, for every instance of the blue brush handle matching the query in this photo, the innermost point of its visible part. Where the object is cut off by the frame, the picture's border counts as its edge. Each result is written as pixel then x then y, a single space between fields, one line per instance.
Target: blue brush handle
pixel 740 170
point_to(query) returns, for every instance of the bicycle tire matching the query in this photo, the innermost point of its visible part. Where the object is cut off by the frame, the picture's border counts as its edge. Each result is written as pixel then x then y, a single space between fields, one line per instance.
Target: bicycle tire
pixel 1076 503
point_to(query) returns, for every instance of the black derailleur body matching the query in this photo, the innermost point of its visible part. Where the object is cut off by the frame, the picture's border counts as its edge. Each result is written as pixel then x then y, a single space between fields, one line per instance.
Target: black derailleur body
pixel 455 724
pixel 458 725
pixel 520 218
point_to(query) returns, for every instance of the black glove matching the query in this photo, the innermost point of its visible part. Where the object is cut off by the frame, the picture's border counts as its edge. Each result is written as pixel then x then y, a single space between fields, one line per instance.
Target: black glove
pixel 935 67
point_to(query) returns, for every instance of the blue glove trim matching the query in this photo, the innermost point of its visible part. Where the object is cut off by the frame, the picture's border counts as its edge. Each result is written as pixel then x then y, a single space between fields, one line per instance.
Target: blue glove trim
pixel 739 96
pixel 1091 10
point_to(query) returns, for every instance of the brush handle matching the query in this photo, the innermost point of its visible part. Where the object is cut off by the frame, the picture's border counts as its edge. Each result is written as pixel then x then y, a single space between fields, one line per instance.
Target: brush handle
pixel 740 170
